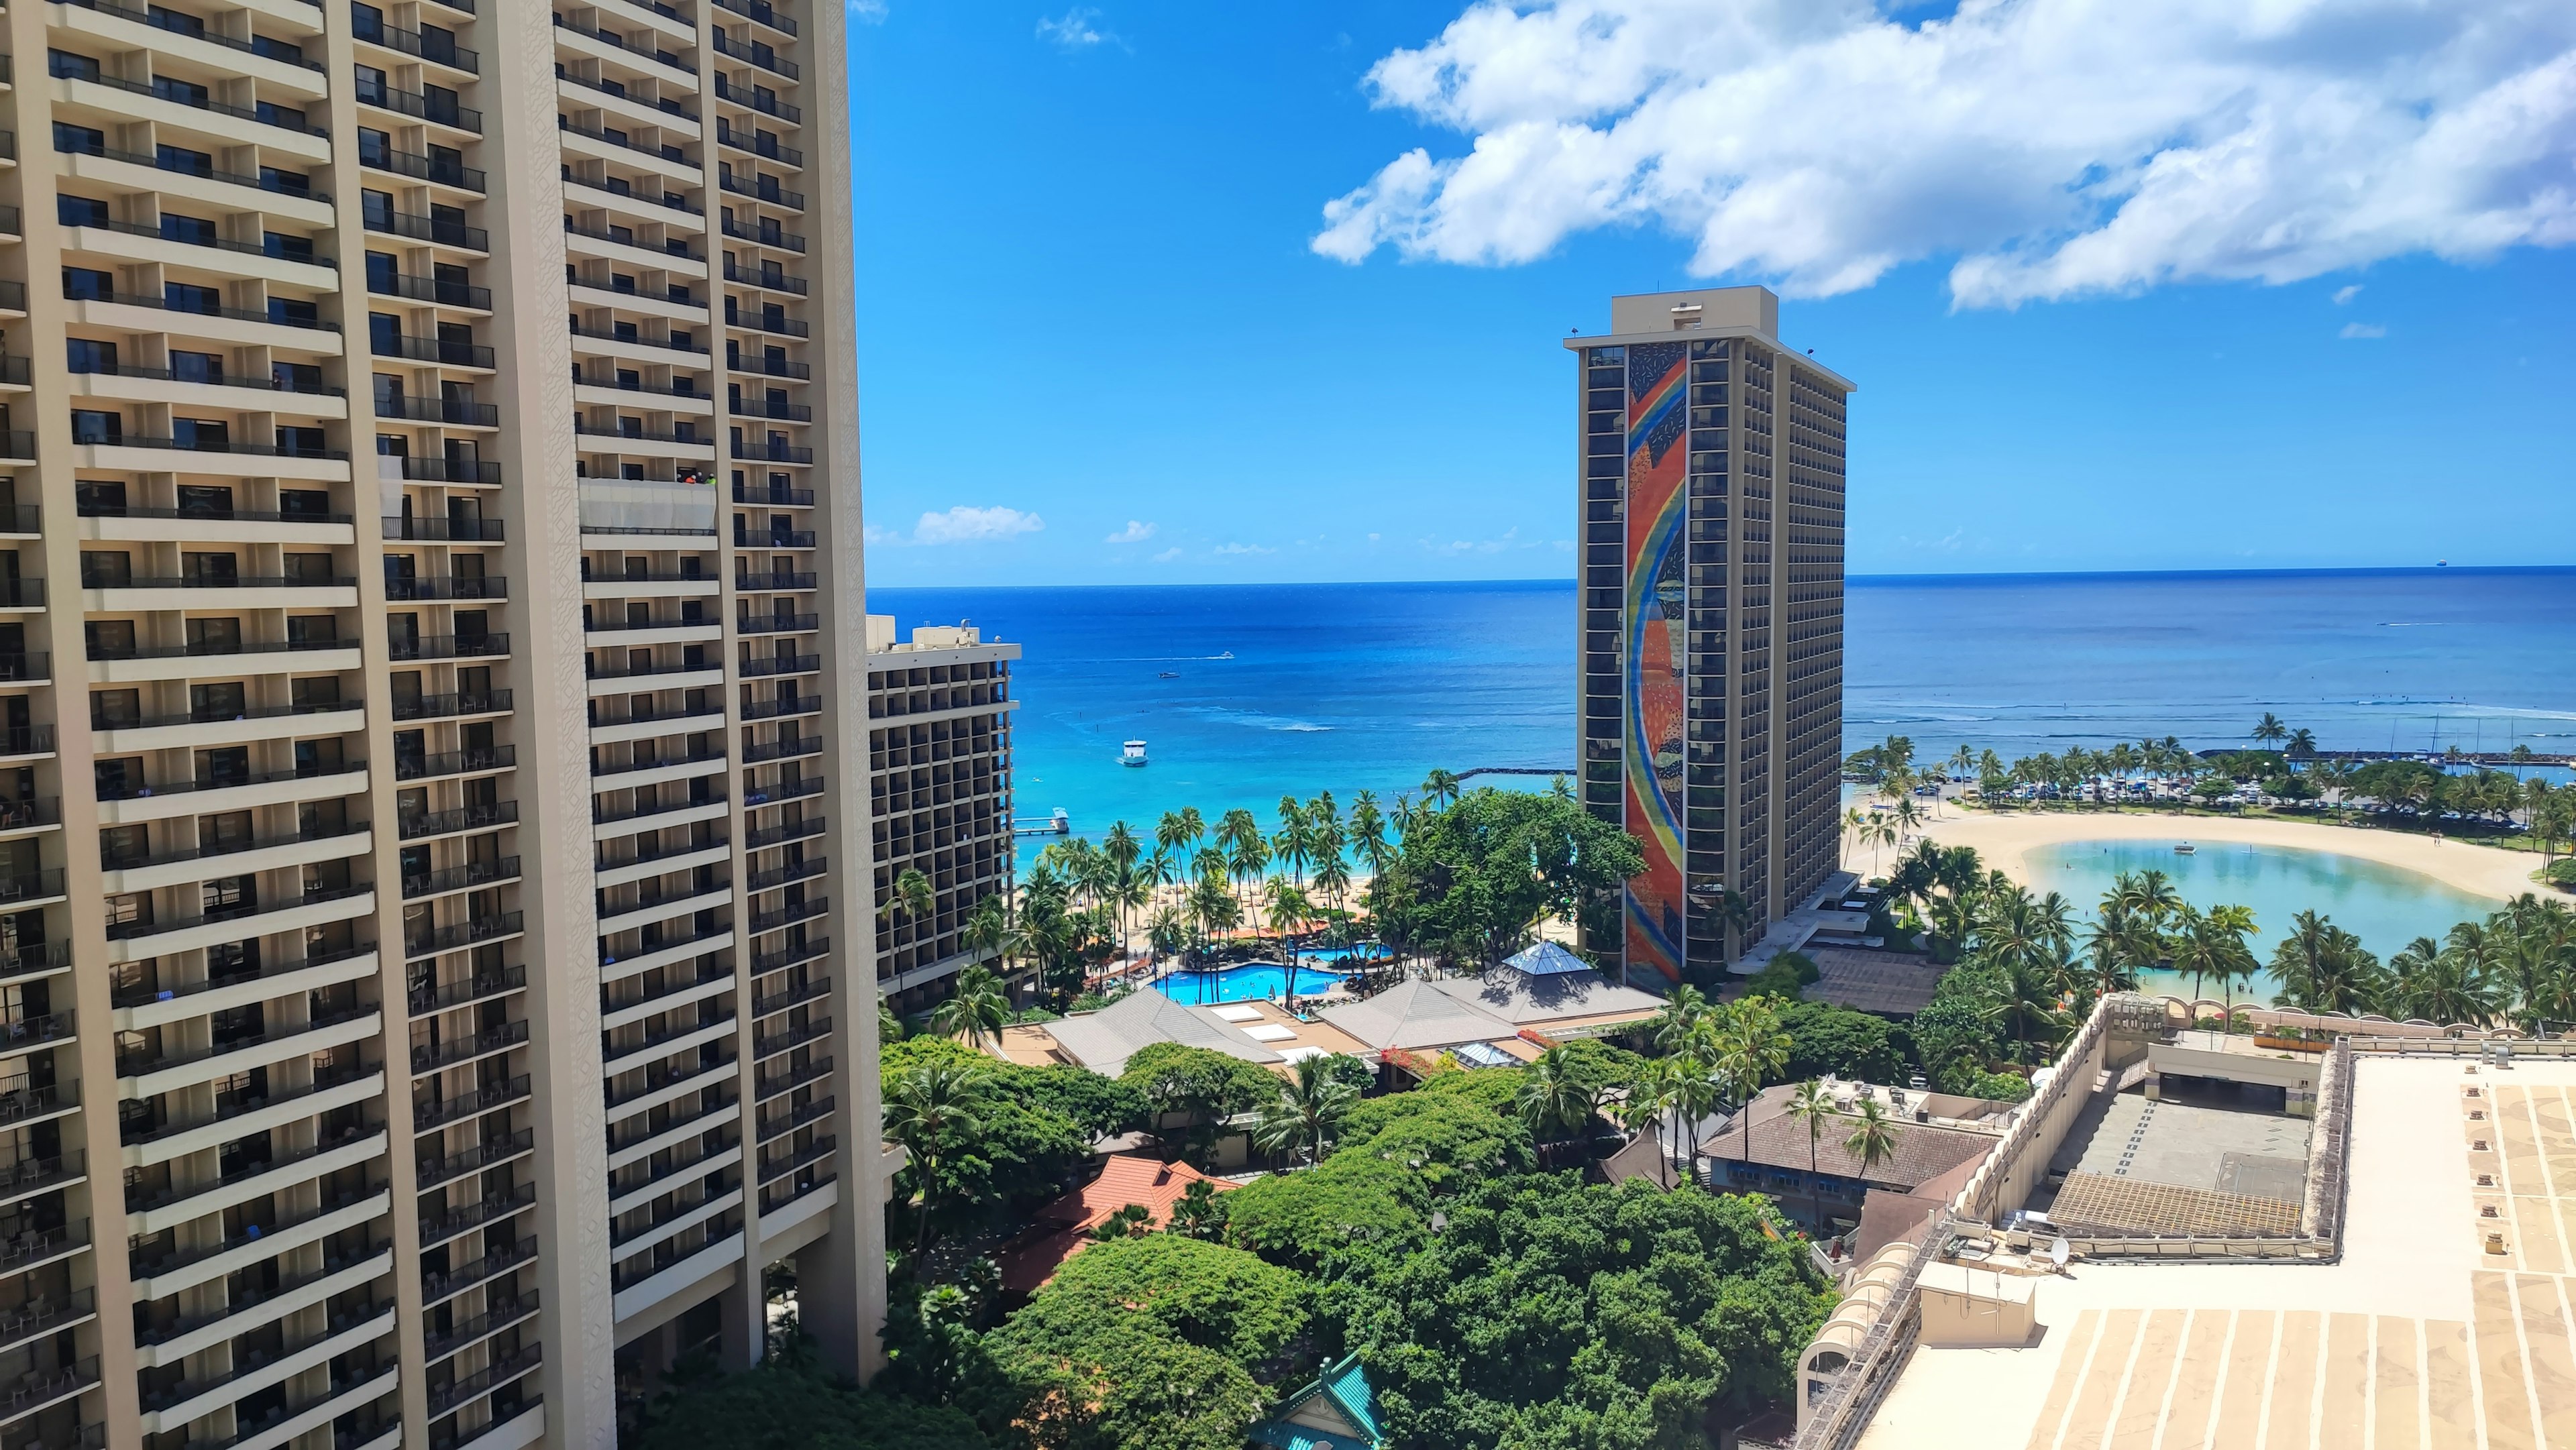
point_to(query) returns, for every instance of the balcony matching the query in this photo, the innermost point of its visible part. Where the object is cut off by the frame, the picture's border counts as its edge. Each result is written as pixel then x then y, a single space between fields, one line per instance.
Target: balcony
pixel 785 413
pixel 40 960
pixel 140 791
pixel 408 587
pixel 453 529
pixel 758 53
pixel 278 318
pixel 760 11
pixel 759 188
pixel 443 1398
pixel 440 110
pixel 763 963
pixel 176 24
pixel 460 878
pixel 192 98
pixel 660 1076
pixel 757 145
pixel 136 1064
pixel 435 1171
pixel 810 990
pixel 758 100
pixel 212 243
pixel 218 849
pixel 448 647
pixel 436 1289
pixel 631 338
pixel 776 624
pixel 455 762
pixel 455 413
pixel 44 1315
pixel 456 935
pixel 200 445
pixel 231 1105
pixel 438 293
pixel 436 47
pixel 764 233
pixel 99 510
pixel 477 988
pixel 42 1245
pixel 452 705
pixel 431 350
pixel 496 1317
pixel 31 886
pixel 464 818
pixel 40 1389
pixel 441 231
pixel 674 247
pixel 441 170
pixel 428 1114
pixel 617 42
pixel 178 161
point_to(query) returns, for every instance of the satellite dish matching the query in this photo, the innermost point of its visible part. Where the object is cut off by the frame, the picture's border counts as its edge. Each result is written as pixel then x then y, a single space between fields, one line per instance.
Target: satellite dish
pixel 2058 1251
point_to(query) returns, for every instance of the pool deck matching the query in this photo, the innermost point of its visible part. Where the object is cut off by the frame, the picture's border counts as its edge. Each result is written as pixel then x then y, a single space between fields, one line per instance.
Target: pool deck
pixel 2005 840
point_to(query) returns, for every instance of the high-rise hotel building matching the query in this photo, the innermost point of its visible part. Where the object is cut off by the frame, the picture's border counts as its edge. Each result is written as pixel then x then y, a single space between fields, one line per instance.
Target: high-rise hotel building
pixel 1711 599
pixel 429 588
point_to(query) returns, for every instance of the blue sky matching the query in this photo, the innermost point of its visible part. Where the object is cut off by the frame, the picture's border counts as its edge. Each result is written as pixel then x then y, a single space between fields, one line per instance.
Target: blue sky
pixel 1098 342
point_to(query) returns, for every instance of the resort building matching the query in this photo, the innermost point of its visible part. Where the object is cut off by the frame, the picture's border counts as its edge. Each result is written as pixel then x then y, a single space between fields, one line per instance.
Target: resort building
pixel 1809 1168
pixel 1710 505
pixel 2386 1259
pixel 424 785
pixel 1258 1032
pixel 1503 1017
pixel 939 796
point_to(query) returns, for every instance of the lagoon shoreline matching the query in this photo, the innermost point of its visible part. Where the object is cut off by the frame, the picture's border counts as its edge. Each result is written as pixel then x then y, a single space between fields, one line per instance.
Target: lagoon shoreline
pixel 2005 840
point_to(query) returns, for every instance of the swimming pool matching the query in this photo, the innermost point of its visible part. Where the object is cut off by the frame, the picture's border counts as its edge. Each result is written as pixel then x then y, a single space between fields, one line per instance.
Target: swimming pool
pixel 1257 981
pixel 2386 906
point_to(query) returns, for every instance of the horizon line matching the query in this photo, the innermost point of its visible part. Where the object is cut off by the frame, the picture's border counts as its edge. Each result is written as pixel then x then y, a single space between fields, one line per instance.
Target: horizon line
pixel 1567 581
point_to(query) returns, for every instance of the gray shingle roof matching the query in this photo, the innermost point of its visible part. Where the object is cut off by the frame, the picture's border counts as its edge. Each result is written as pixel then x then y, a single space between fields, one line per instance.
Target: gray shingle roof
pixel 1523 999
pixel 1104 1040
pixel 1415 1015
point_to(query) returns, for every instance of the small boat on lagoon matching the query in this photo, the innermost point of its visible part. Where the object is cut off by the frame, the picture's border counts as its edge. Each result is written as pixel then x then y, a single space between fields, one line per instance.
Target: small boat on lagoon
pixel 1133 753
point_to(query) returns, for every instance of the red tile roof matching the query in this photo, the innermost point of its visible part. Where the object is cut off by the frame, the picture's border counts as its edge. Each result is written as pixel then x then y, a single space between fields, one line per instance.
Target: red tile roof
pixel 1063 1228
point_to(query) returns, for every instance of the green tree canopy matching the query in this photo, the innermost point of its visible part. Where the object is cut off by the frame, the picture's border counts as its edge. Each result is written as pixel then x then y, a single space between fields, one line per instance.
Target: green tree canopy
pixel 1826 1039
pixel 1469 881
pixel 1175 1078
pixel 786 1405
pixel 1153 1343
pixel 1548 1313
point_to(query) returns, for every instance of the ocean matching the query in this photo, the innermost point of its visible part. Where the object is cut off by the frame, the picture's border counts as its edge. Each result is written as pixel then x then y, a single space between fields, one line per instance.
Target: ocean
pixel 1246 692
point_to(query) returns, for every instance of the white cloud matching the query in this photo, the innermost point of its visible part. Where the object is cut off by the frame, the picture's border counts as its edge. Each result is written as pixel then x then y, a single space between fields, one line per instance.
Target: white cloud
pixel 1167 556
pixel 2344 295
pixel 2053 148
pixel 1078 29
pixel 967 525
pixel 880 534
pixel 1135 533
pixel 1244 549
pixel 1373 538
pixel 866 12
pixel 2353 330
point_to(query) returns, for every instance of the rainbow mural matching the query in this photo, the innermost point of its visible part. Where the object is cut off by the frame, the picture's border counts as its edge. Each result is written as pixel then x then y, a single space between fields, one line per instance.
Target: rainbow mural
pixel 1658 389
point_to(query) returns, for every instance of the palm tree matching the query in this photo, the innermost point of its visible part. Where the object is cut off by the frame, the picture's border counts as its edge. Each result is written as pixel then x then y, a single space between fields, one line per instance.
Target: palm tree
pixel 2149 895
pixel 976 1012
pixel 912 897
pixel 2442 986
pixel 1368 831
pixel 1873 1135
pixel 1650 1097
pixel 1294 840
pixel 1286 906
pixel 1121 846
pixel 1174 832
pixel 1750 1047
pixel 1213 908
pixel 1553 1099
pixel 1168 933
pixel 2302 743
pixel 2234 960
pixel 1439 789
pixel 924 1110
pixel 2322 968
pixel 2269 730
pixel 989 928
pixel 1333 878
pixel 1812 1105
pixel 1309 1109
pixel 1680 1016
pixel 1128 891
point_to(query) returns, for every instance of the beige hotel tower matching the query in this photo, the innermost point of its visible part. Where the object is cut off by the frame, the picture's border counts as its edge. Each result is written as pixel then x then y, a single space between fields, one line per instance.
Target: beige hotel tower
pixel 425 797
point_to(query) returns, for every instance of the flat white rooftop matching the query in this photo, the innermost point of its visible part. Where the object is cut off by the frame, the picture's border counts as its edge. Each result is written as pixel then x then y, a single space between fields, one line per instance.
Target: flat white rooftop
pixel 2417 1337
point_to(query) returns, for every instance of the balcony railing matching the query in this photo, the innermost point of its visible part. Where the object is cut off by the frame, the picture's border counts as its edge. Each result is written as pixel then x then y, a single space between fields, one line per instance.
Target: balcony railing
pixel 435 529
pixel 460 878
pixel 489 586
pixel 430 350
pixel 467 818
pixel 177 23
pixel 455 762
pixel 767 105
pixel 448 647
pixel 758 54
pixel 438 48
pixel 441 110
pixel 180 161
pixel 445 233
pixel 433 290
pixel 457 934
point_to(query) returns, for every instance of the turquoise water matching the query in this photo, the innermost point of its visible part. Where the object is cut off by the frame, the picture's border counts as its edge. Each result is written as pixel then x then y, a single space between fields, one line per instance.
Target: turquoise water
pixel 1246 692
pixel 2385 906
pixel 1243 984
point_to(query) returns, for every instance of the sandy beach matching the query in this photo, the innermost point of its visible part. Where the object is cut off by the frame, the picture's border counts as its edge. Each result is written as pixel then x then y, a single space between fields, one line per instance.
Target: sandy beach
pixel 2004 839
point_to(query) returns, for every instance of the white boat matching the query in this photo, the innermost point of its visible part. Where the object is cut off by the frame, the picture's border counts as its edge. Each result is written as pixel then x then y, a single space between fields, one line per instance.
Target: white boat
pixel 1133 753
pixel 2186 849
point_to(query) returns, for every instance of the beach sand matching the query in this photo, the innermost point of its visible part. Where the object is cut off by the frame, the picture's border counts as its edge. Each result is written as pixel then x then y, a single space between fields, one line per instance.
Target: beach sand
pixel 2004 839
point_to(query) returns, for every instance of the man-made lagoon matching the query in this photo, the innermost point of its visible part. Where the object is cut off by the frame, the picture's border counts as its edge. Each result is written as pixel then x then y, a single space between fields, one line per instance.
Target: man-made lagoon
pixel 2386 906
